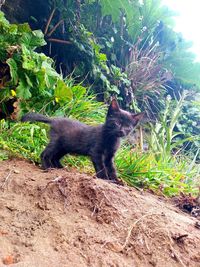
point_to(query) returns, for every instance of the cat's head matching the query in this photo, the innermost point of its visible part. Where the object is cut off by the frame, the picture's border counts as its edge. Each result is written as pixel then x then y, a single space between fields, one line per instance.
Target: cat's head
pixel 119 122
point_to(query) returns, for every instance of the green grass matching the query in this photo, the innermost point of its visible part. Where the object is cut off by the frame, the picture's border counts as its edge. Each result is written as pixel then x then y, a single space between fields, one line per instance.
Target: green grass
pixel 23 139
pixel 137 169
pixel 167 175
pixel 144 170
pixel 82 106
pixel 28 140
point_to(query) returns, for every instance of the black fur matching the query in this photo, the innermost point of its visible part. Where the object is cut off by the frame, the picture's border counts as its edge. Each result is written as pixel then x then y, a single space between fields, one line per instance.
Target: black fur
pixel 98 142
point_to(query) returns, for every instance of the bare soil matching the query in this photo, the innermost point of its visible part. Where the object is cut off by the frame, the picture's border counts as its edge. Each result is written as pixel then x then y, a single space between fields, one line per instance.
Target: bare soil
pixel 67 219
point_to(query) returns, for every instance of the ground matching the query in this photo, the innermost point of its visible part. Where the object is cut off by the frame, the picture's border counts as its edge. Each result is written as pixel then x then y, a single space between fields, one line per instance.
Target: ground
pixel 63 218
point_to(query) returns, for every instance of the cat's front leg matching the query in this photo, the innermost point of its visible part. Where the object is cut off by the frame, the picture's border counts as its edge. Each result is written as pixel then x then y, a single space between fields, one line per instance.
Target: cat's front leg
pixel 99 167
pixel 110 168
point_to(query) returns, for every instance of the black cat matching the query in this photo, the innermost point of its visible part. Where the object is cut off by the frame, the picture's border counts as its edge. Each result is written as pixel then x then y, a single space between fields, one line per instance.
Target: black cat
pixel 98 142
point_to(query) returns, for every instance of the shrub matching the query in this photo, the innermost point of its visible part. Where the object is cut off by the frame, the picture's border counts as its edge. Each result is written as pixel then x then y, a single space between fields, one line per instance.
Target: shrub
pixel 27 77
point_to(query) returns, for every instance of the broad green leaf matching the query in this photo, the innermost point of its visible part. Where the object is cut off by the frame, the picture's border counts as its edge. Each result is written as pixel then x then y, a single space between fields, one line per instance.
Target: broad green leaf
pixel 23 90
pixel 131 8
pixel 28 80
pixel 33 39
pixel 28 61
pixel 13 70
pixel 63 93
pixel 49 70
pixel 22 28
pixel 3 21
pixel 38 39
pixel 4 94
pixel 115 89
pixel 13 29
pixel 40 78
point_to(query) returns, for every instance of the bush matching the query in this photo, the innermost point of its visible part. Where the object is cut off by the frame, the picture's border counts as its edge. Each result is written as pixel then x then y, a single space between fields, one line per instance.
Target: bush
pixel 145 170
pixel 28 78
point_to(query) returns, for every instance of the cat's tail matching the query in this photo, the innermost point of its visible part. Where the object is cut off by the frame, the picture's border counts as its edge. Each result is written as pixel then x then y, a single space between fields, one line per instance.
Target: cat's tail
pixel 35 117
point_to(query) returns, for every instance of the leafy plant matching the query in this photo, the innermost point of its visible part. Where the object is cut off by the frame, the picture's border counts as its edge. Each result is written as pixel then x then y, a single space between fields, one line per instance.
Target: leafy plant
pixel 22 140
pixel 82 106
pixel 146 170
pixel 163 139
pixel 116 47
pixel 28 77
pixel 147 75
pixel 164 167
pixel 188 125
pixel 29 139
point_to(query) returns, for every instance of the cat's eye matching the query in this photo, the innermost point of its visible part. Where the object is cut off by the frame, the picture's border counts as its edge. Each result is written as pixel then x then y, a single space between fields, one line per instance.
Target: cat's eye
pixel 117 123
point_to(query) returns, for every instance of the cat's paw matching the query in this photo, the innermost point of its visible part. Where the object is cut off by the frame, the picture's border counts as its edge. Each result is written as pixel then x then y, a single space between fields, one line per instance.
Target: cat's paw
pixel 120 182
pixel 117 181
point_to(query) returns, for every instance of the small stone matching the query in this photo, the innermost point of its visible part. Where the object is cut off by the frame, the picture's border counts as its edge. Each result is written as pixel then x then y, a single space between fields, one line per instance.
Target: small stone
pixel 8 260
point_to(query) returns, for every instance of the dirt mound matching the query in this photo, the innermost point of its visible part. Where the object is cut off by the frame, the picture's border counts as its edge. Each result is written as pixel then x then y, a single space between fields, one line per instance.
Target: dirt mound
pixel 66 219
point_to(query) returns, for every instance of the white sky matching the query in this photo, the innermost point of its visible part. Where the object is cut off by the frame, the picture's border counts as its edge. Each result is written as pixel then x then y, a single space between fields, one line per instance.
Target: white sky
pixel 187 20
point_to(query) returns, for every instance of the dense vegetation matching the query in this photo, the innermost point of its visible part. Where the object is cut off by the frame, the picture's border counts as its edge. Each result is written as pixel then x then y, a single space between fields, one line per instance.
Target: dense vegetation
pixel 103 48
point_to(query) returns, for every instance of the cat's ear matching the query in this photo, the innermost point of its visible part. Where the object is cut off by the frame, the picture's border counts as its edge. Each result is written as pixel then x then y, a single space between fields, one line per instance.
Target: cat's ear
pixel 114 106
pixel 137 117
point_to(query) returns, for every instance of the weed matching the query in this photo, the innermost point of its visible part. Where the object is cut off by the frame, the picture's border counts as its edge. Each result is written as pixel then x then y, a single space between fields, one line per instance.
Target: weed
pixel 145 170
